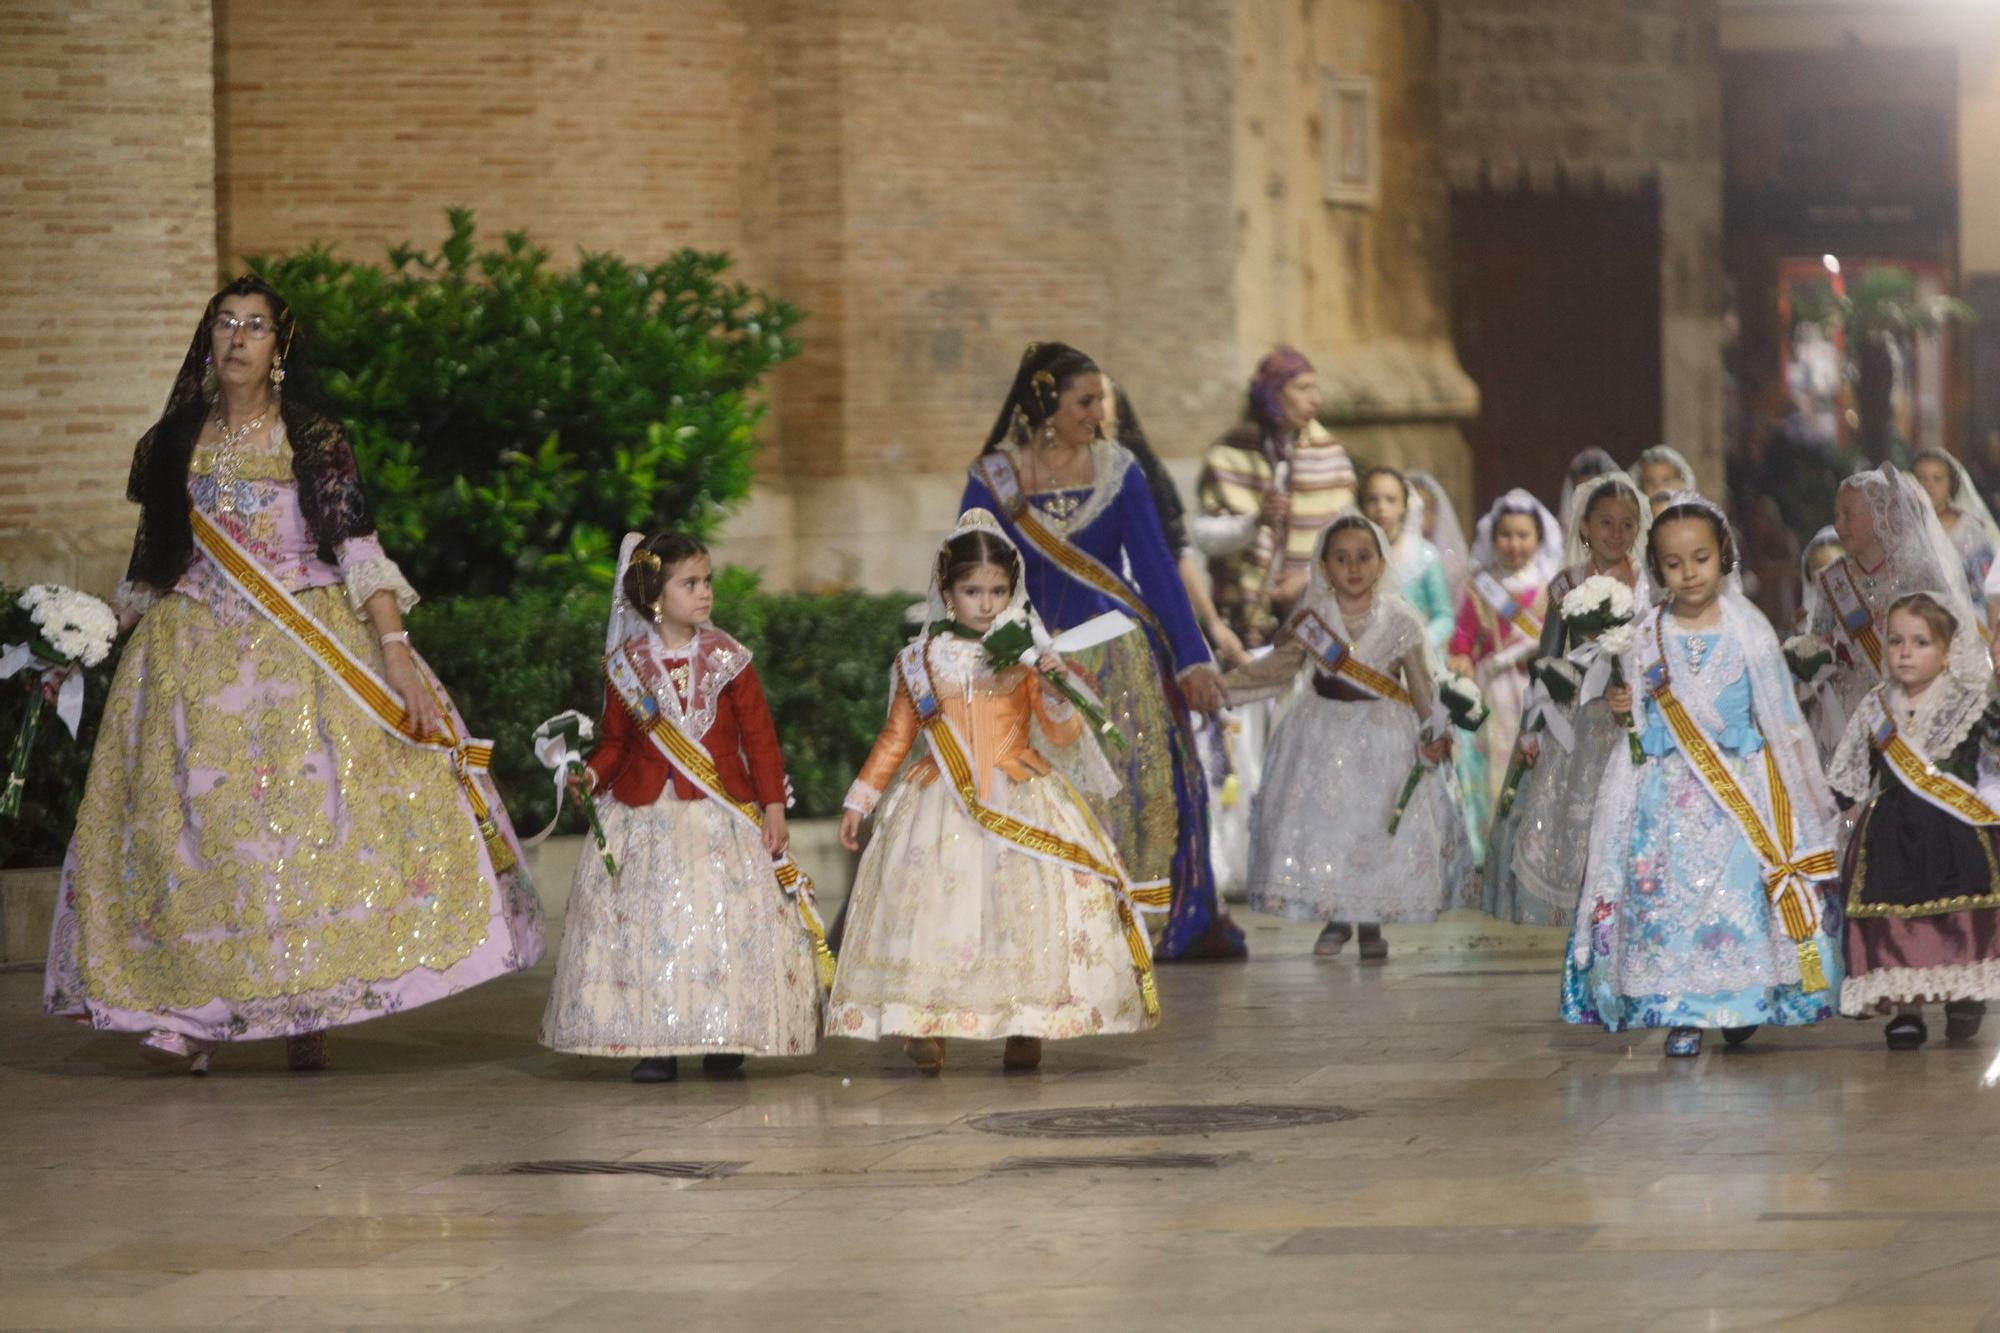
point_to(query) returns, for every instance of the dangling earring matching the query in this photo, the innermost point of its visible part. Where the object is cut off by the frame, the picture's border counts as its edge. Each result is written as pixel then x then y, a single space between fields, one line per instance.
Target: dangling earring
pixel 1049 434
pixel 210 382
pixel 277 371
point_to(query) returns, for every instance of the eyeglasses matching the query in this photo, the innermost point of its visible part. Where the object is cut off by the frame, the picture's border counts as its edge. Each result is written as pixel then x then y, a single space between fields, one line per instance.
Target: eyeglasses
pixel 256 328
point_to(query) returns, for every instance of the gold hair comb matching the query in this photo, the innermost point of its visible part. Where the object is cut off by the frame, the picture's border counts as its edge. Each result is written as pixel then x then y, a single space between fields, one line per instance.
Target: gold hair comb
pixel 649 559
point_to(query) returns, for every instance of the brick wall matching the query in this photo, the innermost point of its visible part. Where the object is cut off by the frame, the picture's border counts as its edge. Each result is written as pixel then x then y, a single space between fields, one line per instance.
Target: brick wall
pixel 107 249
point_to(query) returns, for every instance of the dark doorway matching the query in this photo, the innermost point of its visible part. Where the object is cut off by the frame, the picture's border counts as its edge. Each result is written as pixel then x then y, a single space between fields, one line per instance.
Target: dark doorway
pixel 1555 300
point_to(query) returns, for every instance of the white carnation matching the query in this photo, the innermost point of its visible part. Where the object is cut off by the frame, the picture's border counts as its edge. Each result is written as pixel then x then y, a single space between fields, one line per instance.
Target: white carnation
pixel 1807 646
pixel 1599 592
pixel 1616 641
pixel 77 626
pixel 1013 615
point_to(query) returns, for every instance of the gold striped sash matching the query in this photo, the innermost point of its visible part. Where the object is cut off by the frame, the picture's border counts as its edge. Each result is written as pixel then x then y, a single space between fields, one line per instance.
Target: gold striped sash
pixel 469 758
pixel 1789 875
pixel 953 763
pixel 996 471
pixel 1507 606
pixel 1851 613
pixel 1336 657
pixel 1941 789
pixel 693 761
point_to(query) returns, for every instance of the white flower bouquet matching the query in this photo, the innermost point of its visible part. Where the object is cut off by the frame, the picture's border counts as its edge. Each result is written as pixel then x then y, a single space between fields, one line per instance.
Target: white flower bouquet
pixel 1598 612
pixel 61 632
pixel 1011 641
pixel 1809 657
pixel 558 745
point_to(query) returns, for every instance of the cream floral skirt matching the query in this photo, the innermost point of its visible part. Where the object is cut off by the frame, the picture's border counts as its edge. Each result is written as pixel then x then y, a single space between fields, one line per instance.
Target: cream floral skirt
pixel 953 933
pixel 693 950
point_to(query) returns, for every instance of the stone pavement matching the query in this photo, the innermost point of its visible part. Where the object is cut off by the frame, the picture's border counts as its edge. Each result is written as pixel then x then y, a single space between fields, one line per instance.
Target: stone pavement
pixel 1417 1145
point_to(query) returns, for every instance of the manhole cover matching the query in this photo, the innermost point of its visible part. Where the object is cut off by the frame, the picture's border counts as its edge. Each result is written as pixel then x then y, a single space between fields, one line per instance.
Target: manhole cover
pixel 1145 1122
pixel 1158 1161
pixel 664 1170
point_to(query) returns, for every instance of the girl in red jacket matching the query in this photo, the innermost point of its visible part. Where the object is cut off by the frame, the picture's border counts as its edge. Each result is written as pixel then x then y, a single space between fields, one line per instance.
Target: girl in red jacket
pixel 695 947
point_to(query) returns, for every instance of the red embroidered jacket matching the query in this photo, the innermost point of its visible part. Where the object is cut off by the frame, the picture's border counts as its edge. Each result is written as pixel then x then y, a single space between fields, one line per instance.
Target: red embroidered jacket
pixel 742 740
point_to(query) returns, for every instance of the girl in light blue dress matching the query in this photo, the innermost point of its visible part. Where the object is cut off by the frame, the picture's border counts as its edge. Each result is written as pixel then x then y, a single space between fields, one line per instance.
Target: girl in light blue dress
pixel 1415 566
pixel 1676 928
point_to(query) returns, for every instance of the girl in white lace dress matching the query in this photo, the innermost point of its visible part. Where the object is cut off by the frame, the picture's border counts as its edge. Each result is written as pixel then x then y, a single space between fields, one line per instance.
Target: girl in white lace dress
pixel 1322 849
pixel 695 946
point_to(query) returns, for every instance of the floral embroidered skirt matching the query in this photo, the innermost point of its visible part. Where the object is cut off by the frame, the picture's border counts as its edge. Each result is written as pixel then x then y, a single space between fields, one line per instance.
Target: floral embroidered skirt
pixel 1690 941
pixel 256 857
pixel 692 950
pixel 953 933
pixel 1142 815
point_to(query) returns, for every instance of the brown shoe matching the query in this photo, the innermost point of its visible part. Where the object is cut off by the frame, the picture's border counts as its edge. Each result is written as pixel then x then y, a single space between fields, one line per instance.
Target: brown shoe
pixel 1022 1053
pixel 1332 940
pixel 926 1053
pixel 1373 947
pixel 306 1052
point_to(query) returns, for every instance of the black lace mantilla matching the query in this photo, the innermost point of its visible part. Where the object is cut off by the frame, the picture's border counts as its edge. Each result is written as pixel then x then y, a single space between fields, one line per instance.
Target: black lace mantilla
pixel 330 495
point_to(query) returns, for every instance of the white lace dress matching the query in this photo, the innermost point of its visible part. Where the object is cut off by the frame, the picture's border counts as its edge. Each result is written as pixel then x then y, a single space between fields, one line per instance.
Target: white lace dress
pixel 1335 766
pixel 693 949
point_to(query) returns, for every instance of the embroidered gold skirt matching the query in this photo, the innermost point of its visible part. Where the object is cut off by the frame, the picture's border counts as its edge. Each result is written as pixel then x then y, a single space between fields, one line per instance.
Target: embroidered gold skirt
pixel 255 857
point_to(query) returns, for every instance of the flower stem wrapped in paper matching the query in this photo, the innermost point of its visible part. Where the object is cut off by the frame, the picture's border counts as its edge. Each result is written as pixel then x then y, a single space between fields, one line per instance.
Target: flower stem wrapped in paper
pixel 62 632
pixel 558 744
pixel 1014 640
pixel 1459 704
pixel 1555 684
pixel 1597 614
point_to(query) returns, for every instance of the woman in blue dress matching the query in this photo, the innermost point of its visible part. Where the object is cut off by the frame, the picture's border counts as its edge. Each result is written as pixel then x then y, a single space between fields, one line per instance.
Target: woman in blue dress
pixel 1705 900
pixel 1080 510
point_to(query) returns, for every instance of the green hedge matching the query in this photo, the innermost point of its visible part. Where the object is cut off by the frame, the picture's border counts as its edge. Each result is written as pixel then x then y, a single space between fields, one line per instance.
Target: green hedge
pixel 512 661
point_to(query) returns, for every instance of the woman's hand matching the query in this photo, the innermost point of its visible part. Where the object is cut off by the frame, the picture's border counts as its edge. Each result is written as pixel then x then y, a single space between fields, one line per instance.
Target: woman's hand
pixel 1619 698
pixel 776 836
pixel 1203 690
pixel 850 830
pixel 1049 663
pixel 1277 509
pixel 1460 663
pixel 1437 751
pixel 420 707
pixel 1229 649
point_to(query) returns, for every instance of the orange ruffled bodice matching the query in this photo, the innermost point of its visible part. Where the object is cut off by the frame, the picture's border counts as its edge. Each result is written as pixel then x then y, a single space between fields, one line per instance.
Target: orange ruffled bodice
pixel 993 716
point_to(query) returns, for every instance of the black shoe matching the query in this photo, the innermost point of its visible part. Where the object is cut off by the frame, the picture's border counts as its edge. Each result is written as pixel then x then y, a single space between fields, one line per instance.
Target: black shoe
pixel 1962 1018
pixel 1737 1036
pixel 722 1064
pixel 1906 1032
pixel 655 1069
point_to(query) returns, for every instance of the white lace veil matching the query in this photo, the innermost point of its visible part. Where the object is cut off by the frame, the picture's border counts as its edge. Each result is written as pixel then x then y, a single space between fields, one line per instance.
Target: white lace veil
pixel 1920 558
pixel 1390 606
pixel 1667 454
pixel 1546 561
pixel 1966 499
pixel 1576 549
pixel 1430 506
pixel 625 620
pixel 1778 719
pixel 1594 463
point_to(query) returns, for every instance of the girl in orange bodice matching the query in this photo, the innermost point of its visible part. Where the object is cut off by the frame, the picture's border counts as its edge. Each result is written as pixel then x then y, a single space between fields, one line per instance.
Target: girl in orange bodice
pixel 990 902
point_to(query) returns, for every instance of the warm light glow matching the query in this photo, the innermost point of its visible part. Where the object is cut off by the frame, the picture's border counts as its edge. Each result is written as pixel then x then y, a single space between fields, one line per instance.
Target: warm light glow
pixel 1832 264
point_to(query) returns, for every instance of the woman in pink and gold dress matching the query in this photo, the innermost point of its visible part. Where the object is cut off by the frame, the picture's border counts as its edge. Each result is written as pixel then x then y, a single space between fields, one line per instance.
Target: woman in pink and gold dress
pixel 286 826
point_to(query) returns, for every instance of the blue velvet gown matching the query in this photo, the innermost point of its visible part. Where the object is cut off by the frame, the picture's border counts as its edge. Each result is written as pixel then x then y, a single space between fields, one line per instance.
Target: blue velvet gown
pixel 1124 535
